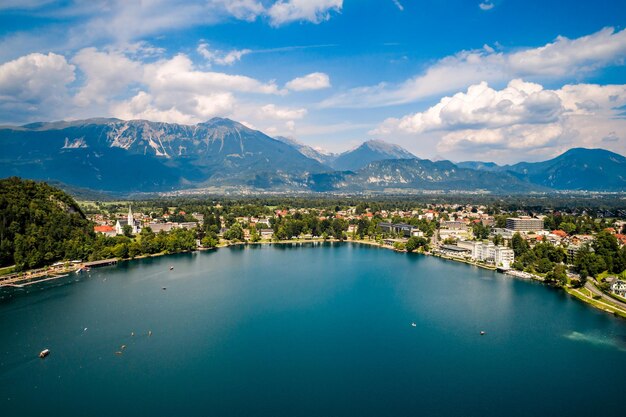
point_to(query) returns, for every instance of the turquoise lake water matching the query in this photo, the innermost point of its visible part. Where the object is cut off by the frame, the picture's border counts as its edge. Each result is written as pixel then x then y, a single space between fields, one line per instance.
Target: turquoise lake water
pixel 307 330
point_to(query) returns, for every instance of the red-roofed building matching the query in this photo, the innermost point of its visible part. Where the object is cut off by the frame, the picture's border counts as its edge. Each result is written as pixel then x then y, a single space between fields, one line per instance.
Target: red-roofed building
pixel 105 230
pixel 559 233
pixel 621 239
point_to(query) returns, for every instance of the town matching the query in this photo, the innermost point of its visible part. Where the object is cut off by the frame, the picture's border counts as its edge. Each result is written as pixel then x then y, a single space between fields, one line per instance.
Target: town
pixel 561 249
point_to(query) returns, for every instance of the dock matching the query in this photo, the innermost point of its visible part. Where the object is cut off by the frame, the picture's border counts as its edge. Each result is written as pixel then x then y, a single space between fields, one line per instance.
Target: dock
pixel 96 264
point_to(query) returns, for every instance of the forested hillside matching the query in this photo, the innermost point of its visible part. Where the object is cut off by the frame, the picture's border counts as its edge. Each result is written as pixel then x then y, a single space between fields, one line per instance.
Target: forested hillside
pixel 39 224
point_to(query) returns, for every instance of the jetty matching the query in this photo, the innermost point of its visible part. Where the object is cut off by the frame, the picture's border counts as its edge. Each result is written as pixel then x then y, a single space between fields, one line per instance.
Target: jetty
pixel 103 262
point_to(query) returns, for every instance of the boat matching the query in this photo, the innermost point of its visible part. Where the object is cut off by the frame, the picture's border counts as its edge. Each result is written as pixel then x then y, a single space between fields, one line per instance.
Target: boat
pixel 482 333
pixel 171 268
pixel 44 353
pixel 413 324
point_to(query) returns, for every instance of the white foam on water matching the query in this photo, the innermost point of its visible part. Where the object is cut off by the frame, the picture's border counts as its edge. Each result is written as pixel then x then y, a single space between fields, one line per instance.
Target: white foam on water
pixel 605 341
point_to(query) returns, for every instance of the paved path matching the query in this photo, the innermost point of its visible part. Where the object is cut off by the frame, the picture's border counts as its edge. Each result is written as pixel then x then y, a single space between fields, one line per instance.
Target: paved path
pixel 611 300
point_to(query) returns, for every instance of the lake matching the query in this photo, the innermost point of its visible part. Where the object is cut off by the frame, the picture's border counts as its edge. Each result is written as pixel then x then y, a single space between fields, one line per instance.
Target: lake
pixel 306 330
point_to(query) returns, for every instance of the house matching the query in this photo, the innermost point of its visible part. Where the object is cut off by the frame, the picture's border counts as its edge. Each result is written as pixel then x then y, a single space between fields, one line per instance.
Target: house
pixel 129 221
pixel 105 230
pixel 266 233
pixel 619 288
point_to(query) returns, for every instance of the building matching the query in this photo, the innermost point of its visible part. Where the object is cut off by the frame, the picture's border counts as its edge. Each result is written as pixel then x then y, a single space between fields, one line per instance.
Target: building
pixel 500 256
pixel 266 233
pixel 130 221
pixel 454 225
pixel 572 250
pixel 524 224
pixel 619 288
pixel 400 228
pixel 455 251
pixel 105 230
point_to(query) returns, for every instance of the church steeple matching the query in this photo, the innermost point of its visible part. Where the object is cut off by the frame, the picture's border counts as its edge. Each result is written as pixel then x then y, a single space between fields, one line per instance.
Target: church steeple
pixel 131 220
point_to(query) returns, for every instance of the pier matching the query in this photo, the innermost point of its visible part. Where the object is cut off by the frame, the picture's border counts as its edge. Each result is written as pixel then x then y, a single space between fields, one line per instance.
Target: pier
pixel 96 264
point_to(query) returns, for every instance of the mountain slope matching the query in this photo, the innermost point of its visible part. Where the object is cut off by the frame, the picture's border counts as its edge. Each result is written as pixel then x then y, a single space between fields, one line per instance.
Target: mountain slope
pixel 308 151
pixel 576 169
pixel 367 152
pixel 400 175
pixel 137 155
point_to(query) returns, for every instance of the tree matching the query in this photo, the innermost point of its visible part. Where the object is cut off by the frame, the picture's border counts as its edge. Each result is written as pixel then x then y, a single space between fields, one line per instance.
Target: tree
pixel 544 265
pixel 519 245
pixel 254 234
pixel 568 227
pixel 127 230
pixel 234 233
pixel 209 241
pixel 558 275
pixel 415 242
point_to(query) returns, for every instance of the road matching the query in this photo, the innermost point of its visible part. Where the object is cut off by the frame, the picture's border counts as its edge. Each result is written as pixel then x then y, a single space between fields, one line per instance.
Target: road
pixel 596 291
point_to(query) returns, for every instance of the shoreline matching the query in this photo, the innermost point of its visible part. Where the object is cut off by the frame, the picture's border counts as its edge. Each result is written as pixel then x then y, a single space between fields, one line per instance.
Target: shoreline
pixel 51 273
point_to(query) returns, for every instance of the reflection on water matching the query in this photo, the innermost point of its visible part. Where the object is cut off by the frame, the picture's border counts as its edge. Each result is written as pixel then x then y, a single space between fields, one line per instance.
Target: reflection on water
pixel 606 341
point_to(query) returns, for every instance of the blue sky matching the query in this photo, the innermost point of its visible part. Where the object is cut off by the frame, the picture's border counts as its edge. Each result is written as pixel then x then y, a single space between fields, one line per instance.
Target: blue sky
pixel 498 80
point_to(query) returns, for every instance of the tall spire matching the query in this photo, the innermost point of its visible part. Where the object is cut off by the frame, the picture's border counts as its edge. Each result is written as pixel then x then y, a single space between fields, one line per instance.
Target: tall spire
pixel 131 221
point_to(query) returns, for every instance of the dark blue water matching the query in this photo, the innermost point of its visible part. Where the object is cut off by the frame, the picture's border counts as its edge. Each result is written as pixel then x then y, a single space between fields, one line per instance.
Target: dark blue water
pixel 306 331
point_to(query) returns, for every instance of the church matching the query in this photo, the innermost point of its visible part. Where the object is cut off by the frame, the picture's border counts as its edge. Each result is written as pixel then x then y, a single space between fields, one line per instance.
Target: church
pixel 130 220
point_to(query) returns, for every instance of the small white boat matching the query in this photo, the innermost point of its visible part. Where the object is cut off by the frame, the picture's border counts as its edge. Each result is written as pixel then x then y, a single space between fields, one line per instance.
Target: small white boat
pixel 482 333
pixel 44 353
pixel 413 325
pixel 171 268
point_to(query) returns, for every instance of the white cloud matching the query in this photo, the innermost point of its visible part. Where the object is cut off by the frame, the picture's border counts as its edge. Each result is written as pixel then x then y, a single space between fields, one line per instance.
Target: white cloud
pixel 482 106
pixel 106 74
pixel 34 86
pixel 247 10
pixel 313 81
pixel 486 5
pixel 522 117
pixel 315 11
pixel 559 59
pixel 189 109
pixel 282 113
pixel 221 57
pixel 178 75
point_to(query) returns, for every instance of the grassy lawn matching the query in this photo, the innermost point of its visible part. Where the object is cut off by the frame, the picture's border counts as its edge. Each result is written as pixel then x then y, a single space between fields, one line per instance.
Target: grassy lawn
pixel 584 295
pixel 6 270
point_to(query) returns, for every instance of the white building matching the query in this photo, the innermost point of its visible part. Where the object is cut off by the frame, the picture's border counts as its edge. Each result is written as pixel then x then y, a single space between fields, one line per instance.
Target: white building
pixel 130 220
pixel 619 288
pixel 500 256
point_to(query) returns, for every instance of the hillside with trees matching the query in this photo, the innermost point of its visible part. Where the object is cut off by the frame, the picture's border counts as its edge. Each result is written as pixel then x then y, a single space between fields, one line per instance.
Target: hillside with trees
pixel 40 224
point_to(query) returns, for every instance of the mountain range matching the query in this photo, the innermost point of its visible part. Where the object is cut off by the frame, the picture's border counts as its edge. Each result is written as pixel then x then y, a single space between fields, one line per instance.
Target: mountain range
pixel 137 155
